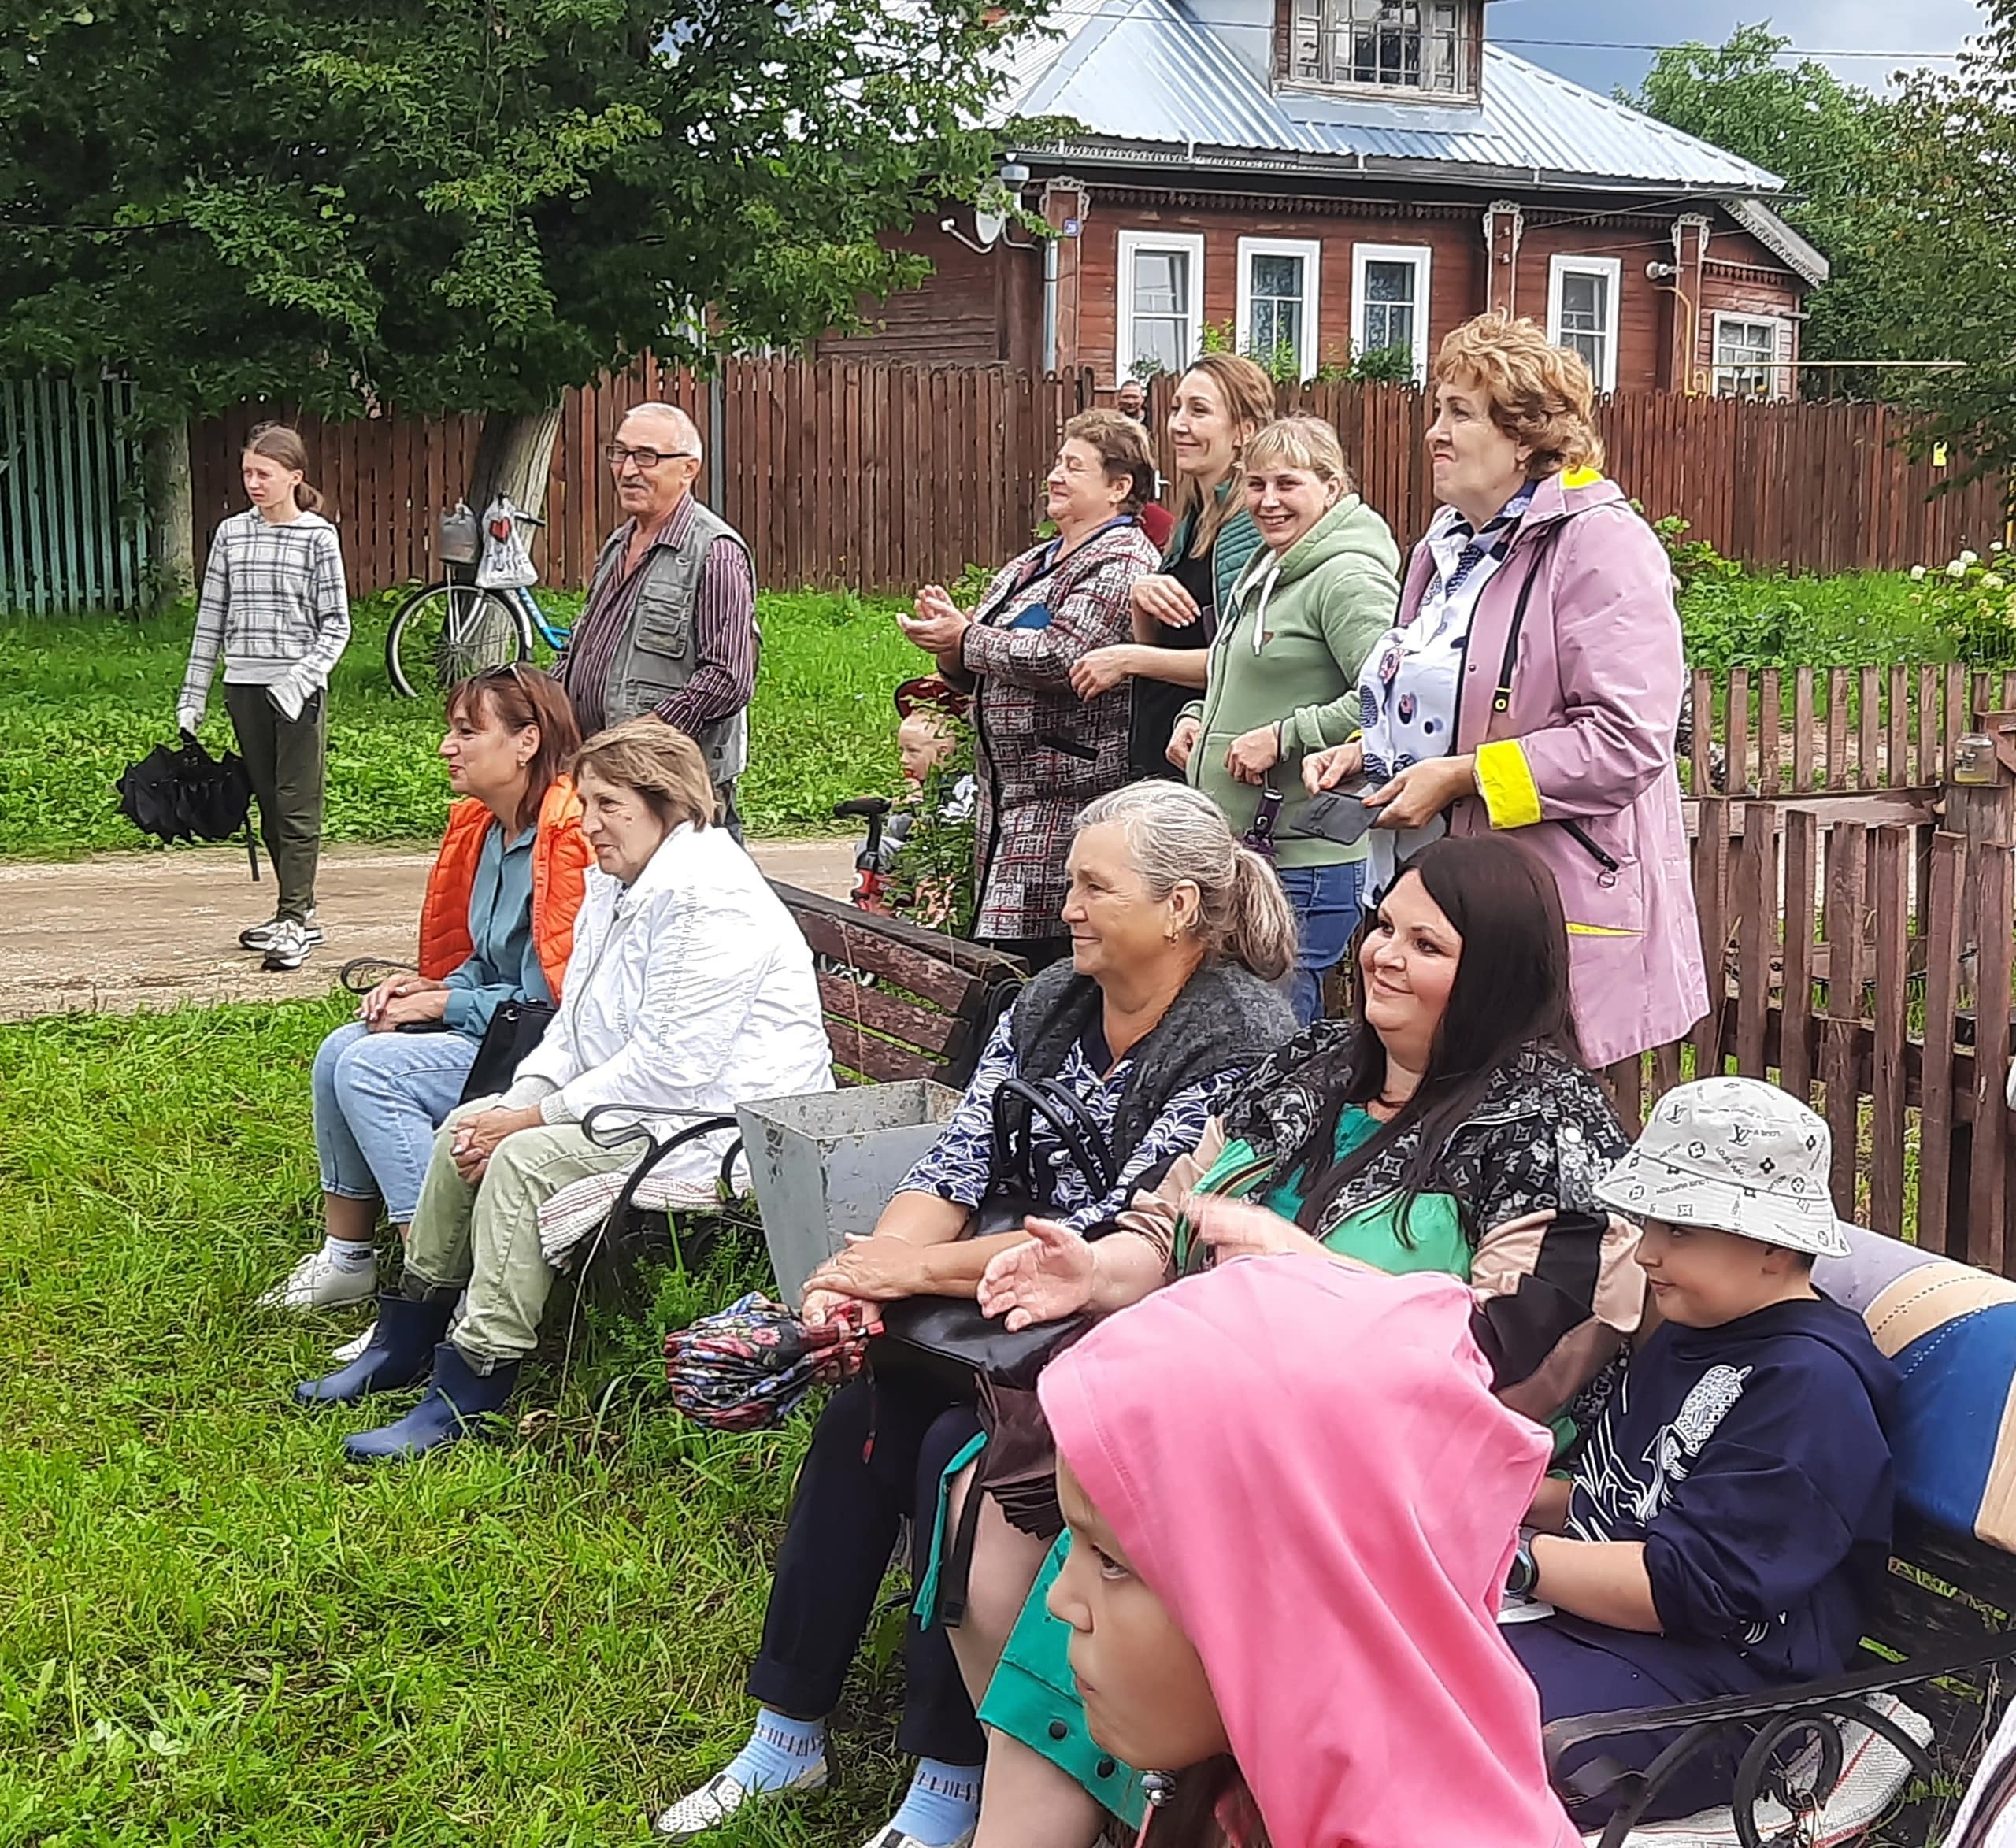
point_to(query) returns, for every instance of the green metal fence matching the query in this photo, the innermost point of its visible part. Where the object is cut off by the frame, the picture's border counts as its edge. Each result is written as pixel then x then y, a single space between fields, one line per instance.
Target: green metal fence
pixel 72 535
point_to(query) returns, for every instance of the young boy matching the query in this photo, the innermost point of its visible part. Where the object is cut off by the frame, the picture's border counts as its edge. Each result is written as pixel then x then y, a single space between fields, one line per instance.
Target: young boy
pixel 1731 1511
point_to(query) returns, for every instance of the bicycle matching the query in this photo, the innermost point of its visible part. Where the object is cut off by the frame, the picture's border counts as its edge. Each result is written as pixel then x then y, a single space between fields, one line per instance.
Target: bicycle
pixel 445 632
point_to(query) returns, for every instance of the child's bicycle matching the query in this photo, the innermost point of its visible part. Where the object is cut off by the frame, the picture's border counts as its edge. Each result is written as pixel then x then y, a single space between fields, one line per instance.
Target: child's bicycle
pixel 871 870
pixel 447 632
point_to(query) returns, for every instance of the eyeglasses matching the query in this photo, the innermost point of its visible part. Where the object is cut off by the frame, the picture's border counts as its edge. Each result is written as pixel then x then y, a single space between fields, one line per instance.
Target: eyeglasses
pixel 616 454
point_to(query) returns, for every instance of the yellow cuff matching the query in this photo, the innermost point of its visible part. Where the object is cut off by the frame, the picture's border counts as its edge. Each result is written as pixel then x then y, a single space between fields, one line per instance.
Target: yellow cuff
pixel 1511 798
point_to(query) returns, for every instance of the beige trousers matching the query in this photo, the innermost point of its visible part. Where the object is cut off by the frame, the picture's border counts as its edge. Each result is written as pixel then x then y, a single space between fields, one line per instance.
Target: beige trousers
pixel 484 1239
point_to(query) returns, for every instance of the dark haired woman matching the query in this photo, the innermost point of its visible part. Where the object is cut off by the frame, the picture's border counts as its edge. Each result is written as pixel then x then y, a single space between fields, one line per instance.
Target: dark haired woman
pixel 274 602
pixel 495 926
pixel 1449 1128
pixel 1041 751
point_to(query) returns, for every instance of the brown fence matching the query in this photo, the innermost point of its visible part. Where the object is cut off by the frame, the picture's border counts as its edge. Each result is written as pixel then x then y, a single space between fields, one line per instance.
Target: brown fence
pixel 1856 921
pixel 882 477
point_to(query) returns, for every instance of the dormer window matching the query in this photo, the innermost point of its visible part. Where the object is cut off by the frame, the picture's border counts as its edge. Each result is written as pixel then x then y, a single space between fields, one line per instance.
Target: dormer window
pixel 1426 48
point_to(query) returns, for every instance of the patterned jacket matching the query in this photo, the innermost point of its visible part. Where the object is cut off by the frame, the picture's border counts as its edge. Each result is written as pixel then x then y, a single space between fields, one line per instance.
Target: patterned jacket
pixel 1043 752
pixel 1557 1290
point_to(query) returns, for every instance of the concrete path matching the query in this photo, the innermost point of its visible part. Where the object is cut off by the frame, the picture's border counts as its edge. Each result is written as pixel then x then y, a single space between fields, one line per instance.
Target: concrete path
pixel 129 931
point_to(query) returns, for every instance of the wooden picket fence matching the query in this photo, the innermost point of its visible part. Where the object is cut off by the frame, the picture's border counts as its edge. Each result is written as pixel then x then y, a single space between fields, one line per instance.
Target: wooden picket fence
pixel 1856 922
pixel 72 533
pixel 879 477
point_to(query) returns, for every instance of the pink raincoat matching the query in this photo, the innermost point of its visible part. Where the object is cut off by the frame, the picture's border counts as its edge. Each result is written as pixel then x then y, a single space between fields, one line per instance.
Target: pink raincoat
pixel 1305 1462
pixel 1571 720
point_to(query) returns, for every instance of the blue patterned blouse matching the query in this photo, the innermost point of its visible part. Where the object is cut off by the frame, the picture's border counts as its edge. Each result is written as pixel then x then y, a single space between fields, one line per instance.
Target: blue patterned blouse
pixel 959 1165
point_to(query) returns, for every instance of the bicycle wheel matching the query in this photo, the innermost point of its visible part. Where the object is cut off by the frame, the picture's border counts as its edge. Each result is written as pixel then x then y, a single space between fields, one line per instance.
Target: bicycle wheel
pixel 447 632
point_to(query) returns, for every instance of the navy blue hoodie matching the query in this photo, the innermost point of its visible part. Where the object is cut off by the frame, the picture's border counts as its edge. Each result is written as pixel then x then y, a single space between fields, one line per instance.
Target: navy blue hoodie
pixel 1751 1460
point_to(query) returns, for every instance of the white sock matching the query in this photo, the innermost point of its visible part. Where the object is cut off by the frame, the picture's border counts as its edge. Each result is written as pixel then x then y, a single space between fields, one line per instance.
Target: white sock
pixel 351 1255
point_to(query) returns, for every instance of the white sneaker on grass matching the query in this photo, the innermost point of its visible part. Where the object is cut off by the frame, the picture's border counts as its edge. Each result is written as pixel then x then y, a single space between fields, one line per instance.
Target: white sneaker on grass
pixel 260 936
pixel 721 1797
pixel 892 1837
pixel 347 1351
pixel 319 1282
pixel 290 945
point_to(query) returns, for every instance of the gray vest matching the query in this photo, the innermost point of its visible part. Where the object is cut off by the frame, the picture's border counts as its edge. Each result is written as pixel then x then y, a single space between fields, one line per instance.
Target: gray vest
pixel 655 659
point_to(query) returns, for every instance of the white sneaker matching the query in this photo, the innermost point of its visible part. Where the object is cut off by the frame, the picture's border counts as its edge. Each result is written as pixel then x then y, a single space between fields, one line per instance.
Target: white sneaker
pixel 319 1283
pixel 892 1837
pixel 260 936
pixel 289 946
pixel 347 1351
pixel 721 1797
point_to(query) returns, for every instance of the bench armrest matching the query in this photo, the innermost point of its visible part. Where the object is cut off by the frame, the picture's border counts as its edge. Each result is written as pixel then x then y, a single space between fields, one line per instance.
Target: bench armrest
pixel 1777 1713
pixel 610 1126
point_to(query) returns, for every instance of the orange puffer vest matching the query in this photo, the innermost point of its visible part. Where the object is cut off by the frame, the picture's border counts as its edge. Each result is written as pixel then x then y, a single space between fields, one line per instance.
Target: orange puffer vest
pixel 560 860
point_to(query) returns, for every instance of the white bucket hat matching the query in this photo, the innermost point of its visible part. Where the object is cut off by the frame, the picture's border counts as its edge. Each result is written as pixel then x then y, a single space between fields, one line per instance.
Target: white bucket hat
pixel 1737 1155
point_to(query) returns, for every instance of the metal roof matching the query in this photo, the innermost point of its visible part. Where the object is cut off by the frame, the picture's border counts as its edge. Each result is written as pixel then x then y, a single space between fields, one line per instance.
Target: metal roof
pixel 1152 73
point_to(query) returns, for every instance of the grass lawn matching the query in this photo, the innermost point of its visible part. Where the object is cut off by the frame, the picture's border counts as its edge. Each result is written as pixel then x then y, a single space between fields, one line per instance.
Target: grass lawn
pixel 213 1631
pixel 1857 619
pixel 87 695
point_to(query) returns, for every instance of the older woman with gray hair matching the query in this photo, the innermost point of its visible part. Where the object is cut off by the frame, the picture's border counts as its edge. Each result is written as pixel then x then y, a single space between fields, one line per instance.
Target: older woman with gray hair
pixel 1179 938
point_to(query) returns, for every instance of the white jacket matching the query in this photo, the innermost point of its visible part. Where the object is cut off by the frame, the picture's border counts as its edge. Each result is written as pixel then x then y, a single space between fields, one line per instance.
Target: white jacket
pixel 691 990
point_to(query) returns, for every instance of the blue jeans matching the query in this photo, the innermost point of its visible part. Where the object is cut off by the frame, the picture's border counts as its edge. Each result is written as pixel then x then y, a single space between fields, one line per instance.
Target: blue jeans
pixel 379 1098
pixel 1327 901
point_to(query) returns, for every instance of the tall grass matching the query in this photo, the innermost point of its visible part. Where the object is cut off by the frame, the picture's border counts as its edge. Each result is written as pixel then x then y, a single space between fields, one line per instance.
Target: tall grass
pixel 212 1631
pixel 87 695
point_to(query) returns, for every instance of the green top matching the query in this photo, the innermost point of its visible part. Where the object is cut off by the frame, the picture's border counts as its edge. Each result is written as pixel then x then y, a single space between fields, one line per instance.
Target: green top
pixel 1317 612
pixel 1433 1240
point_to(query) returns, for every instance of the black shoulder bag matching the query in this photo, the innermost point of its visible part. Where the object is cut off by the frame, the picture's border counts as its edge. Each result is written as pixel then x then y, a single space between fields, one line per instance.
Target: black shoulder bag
pixel 947 1337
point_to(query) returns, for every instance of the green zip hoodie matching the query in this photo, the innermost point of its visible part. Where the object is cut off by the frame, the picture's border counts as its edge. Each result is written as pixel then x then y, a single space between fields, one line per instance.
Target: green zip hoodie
pixel 1317 616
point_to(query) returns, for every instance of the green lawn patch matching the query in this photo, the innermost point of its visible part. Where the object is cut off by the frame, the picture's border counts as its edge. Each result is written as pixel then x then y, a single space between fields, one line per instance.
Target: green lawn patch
pixel 213 1631
pixel 1856 619
pixel 87 695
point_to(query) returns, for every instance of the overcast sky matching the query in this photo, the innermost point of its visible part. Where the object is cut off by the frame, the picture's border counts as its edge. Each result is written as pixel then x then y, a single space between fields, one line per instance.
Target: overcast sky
pixel 1901 27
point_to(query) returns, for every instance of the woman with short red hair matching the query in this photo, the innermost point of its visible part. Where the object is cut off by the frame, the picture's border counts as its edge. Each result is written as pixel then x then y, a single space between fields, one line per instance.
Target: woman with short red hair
pixel 1532 682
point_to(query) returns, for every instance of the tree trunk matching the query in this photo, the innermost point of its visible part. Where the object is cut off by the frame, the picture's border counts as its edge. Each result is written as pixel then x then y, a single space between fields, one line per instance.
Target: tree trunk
pixel 514 457
pixel 171 508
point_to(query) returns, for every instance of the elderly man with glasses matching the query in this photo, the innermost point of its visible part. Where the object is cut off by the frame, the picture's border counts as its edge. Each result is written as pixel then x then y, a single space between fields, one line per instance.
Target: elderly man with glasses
pixel 670 623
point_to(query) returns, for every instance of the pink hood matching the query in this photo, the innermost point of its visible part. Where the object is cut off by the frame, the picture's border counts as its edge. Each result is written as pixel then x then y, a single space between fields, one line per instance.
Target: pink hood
pixel 1305 1463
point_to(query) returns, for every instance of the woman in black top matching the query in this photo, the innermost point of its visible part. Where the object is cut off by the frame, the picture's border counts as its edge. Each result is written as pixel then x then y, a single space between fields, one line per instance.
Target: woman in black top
pixel 1219 403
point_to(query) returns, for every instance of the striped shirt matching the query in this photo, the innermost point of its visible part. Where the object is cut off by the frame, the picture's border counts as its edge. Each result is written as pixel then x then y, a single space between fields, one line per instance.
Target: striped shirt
pixel 273 601
pixel 723 633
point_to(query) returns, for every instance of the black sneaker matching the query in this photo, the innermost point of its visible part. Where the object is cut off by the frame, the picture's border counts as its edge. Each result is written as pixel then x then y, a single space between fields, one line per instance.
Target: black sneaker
pixel 260 936
pixel 288 946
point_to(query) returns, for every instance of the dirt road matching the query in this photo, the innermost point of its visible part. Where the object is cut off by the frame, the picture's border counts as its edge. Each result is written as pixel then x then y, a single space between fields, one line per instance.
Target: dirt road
pixel 130 931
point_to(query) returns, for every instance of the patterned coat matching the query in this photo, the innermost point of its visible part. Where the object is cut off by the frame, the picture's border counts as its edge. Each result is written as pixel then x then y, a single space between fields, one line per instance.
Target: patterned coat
pixel 1558 1286
pixel 1043 752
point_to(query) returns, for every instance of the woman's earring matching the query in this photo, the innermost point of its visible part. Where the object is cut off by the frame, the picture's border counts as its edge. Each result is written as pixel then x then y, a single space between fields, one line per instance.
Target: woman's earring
pixel 1159 1787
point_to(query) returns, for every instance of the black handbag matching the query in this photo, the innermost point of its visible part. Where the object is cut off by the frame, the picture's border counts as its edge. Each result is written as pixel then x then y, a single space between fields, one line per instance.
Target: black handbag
pixel 947 1338
pixel 515 1028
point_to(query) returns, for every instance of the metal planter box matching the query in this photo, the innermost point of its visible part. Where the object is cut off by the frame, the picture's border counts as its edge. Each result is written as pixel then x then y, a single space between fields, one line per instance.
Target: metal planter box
pixel 825 1164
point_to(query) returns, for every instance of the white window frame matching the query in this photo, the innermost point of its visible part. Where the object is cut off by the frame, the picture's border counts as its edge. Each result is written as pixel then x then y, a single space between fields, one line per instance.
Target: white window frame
pixel 1611 270
pixel 1310 252
pixel 1779 366
pixel 1132 243
pixel 1422 258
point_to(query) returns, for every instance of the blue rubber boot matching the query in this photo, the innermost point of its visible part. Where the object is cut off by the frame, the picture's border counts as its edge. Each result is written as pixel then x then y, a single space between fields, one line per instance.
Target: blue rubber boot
pixel 458 1402
pixel 401 1351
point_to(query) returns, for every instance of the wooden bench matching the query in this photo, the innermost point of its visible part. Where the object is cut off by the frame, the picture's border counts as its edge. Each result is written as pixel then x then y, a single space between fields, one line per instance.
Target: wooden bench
pixel 1940 1641
pixel 900 1002
pixel 928 1006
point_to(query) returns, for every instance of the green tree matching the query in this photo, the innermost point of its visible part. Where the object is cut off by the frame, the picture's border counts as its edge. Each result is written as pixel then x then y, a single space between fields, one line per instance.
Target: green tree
pixel 1833 144
pixel 1956 166
pixel 463 205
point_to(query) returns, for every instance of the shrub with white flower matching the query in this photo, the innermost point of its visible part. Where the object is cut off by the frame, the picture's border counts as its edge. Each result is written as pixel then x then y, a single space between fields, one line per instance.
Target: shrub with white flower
pixel 1973 605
